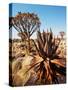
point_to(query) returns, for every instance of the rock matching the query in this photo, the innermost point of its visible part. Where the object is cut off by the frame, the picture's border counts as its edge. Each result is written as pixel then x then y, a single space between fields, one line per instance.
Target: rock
pixel 19 69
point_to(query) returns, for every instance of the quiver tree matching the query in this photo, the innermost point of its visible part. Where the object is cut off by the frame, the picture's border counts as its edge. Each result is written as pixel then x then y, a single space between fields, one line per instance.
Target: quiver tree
pixel 27 23
pixel 51 67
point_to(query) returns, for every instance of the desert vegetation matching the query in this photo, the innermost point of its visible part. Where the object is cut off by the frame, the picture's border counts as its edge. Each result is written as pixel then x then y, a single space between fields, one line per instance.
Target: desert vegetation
pixel 37 61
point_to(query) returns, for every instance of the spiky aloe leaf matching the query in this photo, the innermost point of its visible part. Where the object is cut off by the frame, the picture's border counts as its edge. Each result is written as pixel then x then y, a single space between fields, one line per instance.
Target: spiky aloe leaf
pixel 48 69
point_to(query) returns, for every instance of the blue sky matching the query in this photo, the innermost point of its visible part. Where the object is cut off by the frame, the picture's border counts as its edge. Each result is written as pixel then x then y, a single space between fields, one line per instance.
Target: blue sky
pixel 50 16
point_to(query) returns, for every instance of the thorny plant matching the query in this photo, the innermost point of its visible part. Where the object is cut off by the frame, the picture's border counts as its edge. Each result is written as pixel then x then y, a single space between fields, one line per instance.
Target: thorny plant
pixel 48 69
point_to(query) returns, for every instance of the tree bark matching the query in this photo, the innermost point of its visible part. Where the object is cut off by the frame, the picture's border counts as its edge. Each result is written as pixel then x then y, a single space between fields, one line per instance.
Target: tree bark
pixel 28 44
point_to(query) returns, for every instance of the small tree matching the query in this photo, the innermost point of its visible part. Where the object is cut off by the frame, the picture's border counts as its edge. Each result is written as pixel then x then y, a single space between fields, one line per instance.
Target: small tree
pixel 26 23
pixel 22 36
pixel 62 34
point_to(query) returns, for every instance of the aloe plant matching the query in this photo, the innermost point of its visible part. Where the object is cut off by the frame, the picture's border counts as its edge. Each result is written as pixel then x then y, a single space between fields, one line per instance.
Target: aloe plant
pixel 48 70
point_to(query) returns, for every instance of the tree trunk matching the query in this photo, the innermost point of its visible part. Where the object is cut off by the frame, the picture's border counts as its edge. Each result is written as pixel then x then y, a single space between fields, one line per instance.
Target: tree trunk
pixel 28 44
